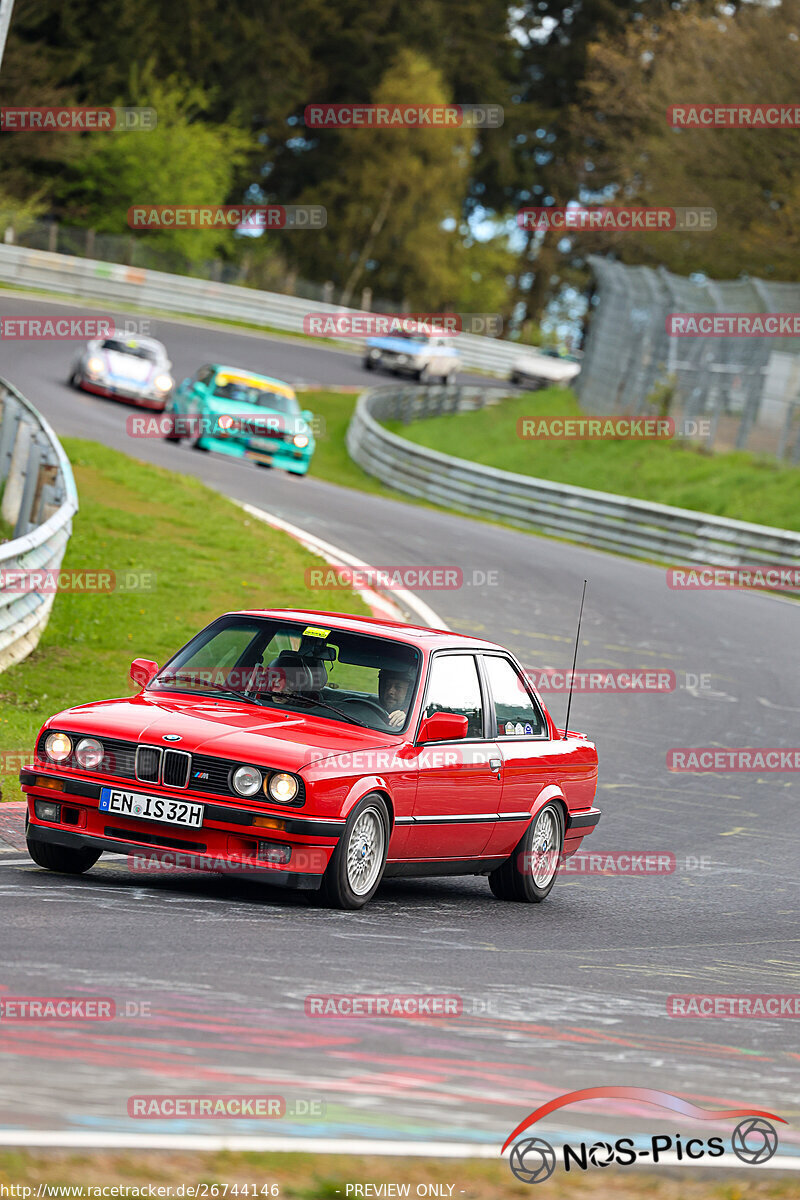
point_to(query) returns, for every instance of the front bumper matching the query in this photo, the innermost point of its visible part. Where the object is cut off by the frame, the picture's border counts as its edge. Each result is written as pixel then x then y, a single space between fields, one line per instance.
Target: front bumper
pixel 117 391
pixel 228 840
pixel 270 451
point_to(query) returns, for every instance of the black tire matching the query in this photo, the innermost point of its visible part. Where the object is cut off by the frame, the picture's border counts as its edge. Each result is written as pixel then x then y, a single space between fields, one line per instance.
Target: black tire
pixel 514 880
pixel 337 886
pixel 516 378
pixel 68 860
pixel 369 364
pixel 74 380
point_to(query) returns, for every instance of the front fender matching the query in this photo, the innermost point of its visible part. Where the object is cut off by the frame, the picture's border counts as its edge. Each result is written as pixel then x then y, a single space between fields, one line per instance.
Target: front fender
pixel 362 788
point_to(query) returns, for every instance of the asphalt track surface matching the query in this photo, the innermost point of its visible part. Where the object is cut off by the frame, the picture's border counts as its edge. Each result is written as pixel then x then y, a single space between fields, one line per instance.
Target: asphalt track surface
pixel 566 995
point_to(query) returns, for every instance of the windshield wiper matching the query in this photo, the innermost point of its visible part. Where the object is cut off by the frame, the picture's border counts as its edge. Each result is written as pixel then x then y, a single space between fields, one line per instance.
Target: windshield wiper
pixel 317 703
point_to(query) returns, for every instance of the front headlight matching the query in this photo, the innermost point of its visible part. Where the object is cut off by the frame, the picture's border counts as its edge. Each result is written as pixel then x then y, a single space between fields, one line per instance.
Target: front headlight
pixel 58 747
pixel 225 422
pixel 163 383
pixel 89 753
pixel 282 787
pixel 95 365
pixel 300 440
pixel 246 781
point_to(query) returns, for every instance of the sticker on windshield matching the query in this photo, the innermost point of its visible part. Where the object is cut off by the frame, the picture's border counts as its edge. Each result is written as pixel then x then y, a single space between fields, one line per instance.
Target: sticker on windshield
pixel 315 631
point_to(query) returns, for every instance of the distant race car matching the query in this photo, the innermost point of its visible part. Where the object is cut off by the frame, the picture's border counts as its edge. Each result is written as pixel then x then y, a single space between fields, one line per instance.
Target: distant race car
pixel 125 368
pixel 543 367
pixel 423 356
pixel 319 751
pixel 236 412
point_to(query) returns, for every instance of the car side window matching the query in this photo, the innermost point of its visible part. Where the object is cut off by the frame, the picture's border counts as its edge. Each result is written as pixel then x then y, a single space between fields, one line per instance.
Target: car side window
pixel 454 687
pixel 514 710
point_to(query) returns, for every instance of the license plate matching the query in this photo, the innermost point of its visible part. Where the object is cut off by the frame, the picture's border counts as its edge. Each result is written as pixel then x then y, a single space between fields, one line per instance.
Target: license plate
pixel 151 808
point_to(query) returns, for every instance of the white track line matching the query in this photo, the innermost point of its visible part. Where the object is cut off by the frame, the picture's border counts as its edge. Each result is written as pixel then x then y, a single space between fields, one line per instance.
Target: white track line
pixel 82 1139
pixel 342 558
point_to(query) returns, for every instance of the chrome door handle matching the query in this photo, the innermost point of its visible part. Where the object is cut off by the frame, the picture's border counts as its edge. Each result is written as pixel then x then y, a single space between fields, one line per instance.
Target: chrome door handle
pixel 495 764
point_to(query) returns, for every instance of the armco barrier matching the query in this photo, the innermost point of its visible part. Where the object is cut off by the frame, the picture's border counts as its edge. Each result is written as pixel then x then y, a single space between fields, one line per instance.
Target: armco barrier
pixel 635 528
pixel 38 504
pixel 119 286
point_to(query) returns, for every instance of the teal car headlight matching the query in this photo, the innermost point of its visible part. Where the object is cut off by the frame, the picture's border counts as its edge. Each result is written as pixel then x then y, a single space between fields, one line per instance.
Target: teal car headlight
pixel 300 440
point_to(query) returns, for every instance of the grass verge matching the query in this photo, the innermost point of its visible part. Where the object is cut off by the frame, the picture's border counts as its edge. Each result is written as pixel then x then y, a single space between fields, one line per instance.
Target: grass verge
pixel 204 557
pixel 738 485
pixel 326 1177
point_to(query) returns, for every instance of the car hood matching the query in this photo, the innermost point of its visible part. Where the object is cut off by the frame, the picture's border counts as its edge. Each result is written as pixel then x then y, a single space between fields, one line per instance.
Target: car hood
pixel 128 366
pixel 217 406
pixel 240 732
pixel 398 345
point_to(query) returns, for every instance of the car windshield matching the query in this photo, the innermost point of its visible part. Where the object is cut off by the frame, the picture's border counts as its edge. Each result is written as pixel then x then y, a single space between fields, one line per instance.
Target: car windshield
pixel 252 392
pixel 135 349
pixel 333 673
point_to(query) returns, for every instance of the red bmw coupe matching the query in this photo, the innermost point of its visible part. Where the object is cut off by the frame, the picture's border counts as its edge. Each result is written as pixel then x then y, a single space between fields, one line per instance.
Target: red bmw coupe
pixel 319 751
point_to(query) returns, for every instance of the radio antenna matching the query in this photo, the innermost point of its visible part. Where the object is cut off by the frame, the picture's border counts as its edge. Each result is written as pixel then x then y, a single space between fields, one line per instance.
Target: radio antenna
pixel 574 660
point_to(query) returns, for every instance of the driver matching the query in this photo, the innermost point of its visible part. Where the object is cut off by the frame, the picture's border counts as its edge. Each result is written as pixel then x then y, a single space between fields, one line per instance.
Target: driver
pixel 394 693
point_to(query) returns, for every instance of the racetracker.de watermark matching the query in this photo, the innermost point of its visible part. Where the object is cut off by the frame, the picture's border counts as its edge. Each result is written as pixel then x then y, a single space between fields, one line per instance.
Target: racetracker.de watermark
pixel 734 324
pixel 48 582
pixel 224 425
pixel 227 216
pixel 58 329
pixel 730 760
pixel 576 218
pixel 403 116
pixel 734 116
pixel 600 428
pixel 270 1108
pixel 618 679
pixel 300 858
pixel 389 1005
pixel 611 862
pixel 57 1008
pixel 77 120
pixel 366 325
pixel 772 578
pixel 744 1004
pixel 392 578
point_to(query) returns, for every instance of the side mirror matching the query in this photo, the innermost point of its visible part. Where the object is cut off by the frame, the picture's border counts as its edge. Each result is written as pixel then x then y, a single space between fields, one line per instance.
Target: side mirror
pixel 142 671
pixel 307 415
pixel 185 382
pixel 443 727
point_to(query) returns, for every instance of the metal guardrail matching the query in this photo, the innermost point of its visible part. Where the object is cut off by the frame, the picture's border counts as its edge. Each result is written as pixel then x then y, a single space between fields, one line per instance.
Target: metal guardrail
pixel 39 500
pixel 636 528
pixel 121 285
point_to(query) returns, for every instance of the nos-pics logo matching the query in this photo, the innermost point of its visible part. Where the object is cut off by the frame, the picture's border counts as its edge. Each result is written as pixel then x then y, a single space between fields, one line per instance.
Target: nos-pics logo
pixel 533 1160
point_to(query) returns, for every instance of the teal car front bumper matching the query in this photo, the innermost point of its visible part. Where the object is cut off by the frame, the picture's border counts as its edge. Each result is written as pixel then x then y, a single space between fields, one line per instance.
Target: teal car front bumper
pixel 268 451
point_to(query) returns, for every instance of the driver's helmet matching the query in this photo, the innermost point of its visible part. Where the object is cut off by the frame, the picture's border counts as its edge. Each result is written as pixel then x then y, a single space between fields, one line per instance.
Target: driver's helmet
pixel 394 687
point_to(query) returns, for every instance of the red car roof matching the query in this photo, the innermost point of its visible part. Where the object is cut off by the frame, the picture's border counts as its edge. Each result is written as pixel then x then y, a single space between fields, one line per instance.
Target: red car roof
pixel 414 634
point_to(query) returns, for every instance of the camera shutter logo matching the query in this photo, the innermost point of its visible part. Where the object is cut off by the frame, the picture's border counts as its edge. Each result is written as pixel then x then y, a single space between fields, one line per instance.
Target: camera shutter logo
pixel 754 1140
pixel 533 1160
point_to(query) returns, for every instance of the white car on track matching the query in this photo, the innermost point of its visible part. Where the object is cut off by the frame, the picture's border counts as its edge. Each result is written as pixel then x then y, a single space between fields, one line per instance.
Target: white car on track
pixel 425 357
pixel 543 368
pixel 123 367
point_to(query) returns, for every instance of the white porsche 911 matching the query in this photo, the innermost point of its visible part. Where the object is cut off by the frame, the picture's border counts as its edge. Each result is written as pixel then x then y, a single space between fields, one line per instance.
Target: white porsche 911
pixel 123 367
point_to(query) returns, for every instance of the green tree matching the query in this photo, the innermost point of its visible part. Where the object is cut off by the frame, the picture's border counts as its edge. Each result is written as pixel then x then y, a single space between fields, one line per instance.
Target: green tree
pixel 393 192
pixel 184 160
pixel 750 177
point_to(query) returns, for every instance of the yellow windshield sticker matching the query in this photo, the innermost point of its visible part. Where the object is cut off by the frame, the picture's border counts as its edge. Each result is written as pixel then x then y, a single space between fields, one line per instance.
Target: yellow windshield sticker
pixel 314 631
